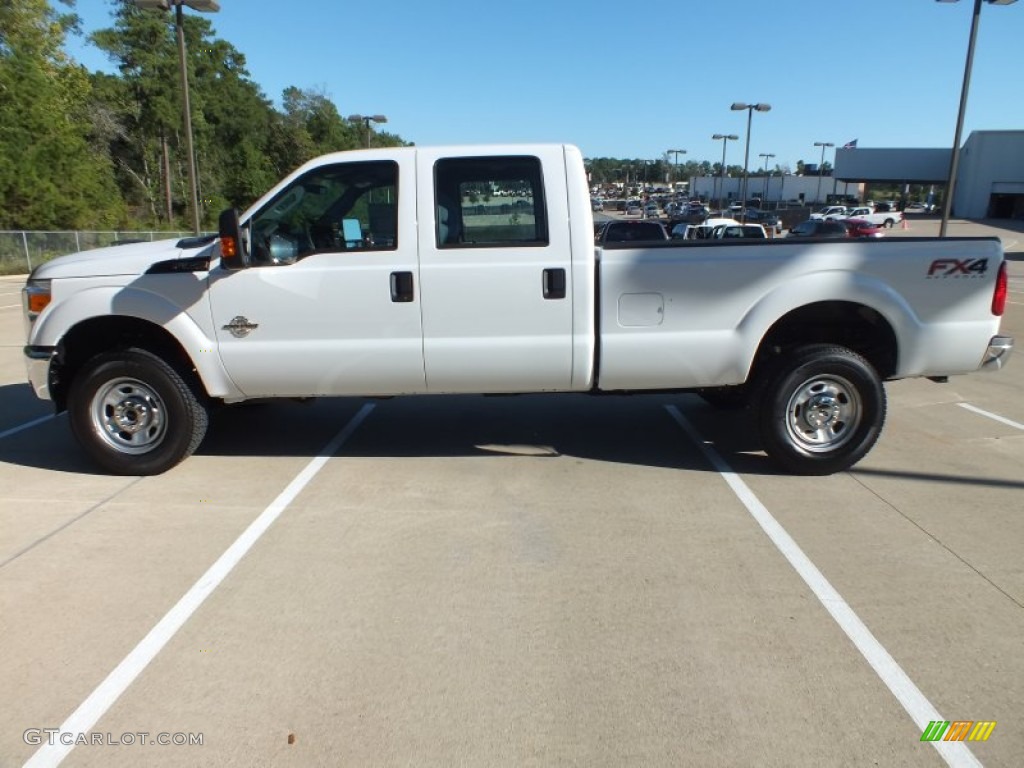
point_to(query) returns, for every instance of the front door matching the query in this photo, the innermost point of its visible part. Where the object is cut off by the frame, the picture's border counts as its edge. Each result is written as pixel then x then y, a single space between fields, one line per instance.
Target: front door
pixel 330 305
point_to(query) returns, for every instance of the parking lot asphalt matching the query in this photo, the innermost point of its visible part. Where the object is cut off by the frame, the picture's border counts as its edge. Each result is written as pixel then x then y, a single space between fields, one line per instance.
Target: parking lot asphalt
pixel 535 580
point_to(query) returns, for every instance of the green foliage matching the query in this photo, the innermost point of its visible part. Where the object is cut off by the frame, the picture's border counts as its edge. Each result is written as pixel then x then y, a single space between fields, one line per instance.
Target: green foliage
pixel 607 170
pixel 49 173
pixel 87 150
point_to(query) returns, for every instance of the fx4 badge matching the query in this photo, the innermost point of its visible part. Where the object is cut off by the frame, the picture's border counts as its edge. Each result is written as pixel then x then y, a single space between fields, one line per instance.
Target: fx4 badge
pixel 240 327
pixel 958 268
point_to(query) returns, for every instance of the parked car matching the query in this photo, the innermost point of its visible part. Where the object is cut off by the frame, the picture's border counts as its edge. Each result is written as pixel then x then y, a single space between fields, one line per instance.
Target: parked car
pixel 917 208
pixel 830 212
pixel 819 228
pixel 885 219
pixel 862 228
pixel 767 219
pixel 596 204
pixel 633 208
pixel 631 232
pixel 701 231
pixel 651 211
pixel 738 231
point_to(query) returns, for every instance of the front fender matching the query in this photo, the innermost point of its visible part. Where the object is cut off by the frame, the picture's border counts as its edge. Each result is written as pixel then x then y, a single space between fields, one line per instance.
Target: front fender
pixel 180 307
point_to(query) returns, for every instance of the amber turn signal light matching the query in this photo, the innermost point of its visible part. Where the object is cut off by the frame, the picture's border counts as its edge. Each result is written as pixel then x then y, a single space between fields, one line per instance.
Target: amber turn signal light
pixel 228 247
pixel 37 302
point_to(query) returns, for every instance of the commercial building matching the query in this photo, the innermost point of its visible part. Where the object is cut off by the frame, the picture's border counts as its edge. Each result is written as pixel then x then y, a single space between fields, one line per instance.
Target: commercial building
pixel 990 180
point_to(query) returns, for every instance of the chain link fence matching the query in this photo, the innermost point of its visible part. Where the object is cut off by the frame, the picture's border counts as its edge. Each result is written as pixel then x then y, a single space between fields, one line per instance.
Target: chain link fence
pixel 21 251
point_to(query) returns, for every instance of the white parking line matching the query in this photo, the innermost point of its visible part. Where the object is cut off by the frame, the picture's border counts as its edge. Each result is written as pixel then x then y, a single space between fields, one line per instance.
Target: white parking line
pixel 26 425
pixel 109 691
pixel 9 306
pixel 993 416
pixel 921 711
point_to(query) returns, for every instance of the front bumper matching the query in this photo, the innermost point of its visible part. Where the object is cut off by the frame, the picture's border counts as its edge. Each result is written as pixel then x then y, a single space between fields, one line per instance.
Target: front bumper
pixel 998 353
pixel 37 361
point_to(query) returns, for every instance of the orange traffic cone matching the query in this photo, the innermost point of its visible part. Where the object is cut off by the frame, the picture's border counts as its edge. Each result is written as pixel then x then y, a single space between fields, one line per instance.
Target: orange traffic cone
pixel 904 225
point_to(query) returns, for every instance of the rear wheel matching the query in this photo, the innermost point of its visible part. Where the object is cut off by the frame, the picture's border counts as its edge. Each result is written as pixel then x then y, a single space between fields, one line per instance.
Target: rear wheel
pixel 820 410
pixel 135 414
pixel 889 223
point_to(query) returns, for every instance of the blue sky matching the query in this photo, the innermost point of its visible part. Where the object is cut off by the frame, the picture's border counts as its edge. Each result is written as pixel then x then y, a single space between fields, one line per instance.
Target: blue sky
pixel 633 80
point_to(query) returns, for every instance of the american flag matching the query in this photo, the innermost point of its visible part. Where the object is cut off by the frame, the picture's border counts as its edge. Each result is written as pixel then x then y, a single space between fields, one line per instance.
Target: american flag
pixel 850 144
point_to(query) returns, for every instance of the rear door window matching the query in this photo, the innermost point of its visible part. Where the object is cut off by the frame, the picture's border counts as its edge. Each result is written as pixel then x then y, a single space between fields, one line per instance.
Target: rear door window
pixel 490 202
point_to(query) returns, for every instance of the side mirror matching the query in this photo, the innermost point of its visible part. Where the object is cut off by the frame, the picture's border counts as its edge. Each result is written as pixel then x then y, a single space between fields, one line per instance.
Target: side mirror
pixel 233 253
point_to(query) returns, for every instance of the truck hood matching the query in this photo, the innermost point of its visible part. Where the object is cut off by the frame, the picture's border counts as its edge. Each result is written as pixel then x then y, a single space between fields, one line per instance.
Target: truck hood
pixel 124 259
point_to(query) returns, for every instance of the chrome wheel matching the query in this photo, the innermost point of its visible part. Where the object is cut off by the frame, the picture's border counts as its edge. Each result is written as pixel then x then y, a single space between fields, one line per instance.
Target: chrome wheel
pixel 128 415
pixel 823 413
pixel 820 408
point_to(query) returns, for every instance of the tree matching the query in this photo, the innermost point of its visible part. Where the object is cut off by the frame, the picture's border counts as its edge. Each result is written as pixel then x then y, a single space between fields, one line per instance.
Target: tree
pixel 50 176
pixel 239 165
pixel 231 119
pixel 144 109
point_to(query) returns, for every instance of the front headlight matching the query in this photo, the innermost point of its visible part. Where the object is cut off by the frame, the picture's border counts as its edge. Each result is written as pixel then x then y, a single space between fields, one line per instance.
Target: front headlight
pixel 35 296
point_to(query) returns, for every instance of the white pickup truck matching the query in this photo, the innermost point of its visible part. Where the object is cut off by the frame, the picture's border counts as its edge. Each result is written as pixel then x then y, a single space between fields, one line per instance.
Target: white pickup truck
pixel 403 271
pixel 885 219
pixel 830 212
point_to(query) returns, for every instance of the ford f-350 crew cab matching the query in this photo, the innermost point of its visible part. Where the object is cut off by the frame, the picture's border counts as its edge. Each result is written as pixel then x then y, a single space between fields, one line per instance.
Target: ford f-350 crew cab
pixel 473 270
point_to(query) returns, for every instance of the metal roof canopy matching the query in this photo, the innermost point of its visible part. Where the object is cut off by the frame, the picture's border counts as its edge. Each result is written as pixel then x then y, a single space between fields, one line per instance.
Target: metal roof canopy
pixel 912 166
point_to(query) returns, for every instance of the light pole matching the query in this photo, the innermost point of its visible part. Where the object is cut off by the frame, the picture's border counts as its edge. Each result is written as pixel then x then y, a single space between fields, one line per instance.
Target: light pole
pixel 203 6
pixel 739 106
pixel 646 163
pixel 764 195
pixel 675 171
pixel 366 120
pixel 725 137
pixel 954 161
pixel 824 145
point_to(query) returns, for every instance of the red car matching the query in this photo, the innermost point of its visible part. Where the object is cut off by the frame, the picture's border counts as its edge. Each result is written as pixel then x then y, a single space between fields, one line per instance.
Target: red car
pixel 862 228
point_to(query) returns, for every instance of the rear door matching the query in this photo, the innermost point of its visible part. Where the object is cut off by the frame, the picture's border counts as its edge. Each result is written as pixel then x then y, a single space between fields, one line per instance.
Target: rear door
pixel 496 271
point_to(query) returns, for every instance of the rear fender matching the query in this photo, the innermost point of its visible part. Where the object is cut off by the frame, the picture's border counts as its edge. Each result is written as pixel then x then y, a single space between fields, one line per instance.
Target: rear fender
pixel 833 286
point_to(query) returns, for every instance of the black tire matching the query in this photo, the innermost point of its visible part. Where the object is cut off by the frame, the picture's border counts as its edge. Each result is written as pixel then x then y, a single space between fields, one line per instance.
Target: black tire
pixel 726 398
pixel 889 223
pixel 820 409
pixel 134 414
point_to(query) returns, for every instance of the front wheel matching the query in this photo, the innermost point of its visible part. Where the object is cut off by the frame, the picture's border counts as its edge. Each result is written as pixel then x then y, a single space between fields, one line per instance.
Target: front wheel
pixel 134 414
pixel 820 410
